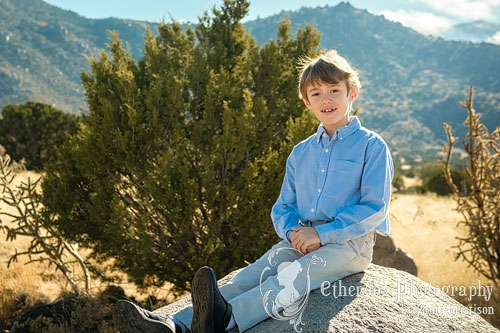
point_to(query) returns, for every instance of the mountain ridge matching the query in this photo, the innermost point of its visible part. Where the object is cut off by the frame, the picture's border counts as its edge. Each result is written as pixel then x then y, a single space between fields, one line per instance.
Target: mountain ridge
pixel 43 51
pixel 411 82
pixel 475 31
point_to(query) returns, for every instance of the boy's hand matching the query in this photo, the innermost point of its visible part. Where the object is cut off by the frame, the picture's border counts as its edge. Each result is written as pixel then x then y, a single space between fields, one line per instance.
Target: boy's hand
pixel 305 239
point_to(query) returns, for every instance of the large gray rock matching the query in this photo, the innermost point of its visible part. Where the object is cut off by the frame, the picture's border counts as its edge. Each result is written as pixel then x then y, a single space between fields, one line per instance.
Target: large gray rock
pixel 389 307
pixel 385 253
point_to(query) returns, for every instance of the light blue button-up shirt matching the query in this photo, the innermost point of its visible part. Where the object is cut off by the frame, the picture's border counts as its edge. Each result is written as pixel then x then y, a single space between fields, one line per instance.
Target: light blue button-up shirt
pixel 345 180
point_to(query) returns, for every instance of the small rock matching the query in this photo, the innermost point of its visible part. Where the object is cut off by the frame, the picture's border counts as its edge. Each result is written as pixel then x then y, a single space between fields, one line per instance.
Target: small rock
pixel 385 253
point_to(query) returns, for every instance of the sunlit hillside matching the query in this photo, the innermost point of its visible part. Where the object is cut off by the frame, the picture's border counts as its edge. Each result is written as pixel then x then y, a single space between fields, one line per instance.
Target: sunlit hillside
pixel 43 51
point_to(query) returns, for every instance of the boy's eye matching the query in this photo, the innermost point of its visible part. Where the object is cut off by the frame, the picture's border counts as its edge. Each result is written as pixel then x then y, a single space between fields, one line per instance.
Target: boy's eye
pixel 315 94
pixel 334 90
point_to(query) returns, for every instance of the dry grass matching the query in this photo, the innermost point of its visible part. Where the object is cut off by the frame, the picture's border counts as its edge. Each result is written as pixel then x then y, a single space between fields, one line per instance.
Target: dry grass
pixel 55 284
pixel 20 288
pixel 24 285
pixel 425 226
pixel 25 276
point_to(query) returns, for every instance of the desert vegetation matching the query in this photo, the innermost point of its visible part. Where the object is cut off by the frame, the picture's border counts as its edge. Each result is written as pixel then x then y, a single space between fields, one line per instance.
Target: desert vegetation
pixel 423 225
pixel 32 131
pixel 176 166
pixel 479 201
pixel 181 155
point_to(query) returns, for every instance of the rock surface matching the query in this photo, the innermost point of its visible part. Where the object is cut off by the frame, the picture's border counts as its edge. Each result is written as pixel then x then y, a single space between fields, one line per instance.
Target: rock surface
pixel 384 300
pixel 385 253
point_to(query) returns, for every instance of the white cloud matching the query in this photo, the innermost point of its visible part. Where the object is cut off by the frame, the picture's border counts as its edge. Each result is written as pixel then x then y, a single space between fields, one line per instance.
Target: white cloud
pixel 425 23
pixel 495 39
pixel 465 9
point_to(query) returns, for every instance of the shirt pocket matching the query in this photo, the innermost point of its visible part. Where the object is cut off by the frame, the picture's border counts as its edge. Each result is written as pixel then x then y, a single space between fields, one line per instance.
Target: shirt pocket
pixel 343 179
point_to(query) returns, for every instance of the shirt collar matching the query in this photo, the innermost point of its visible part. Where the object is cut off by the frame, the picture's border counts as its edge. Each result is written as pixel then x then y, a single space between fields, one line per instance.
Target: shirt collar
pixel 342 132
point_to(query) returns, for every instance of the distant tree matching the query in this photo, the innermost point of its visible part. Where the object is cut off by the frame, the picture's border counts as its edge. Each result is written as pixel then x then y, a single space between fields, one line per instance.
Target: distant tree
pixel 480 204
pixel 33 131
pixel 433 178
pixel 182 154
pixel 427 170
pixel 398 182
pixel 436 182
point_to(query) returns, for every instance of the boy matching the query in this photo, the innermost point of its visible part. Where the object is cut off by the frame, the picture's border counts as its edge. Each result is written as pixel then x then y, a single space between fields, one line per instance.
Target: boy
pixel 334 198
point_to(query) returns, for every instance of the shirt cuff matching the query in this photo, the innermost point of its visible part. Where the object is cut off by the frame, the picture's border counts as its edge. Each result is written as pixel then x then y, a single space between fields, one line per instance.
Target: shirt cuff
pixel 327 235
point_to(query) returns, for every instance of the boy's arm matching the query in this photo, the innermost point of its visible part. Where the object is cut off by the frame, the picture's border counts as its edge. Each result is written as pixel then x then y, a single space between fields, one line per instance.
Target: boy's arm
pixel 373 206
pixel 285 213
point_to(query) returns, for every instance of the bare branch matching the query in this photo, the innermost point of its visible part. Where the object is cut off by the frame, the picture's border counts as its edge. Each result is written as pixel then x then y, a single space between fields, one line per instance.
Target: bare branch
pixel 480 207
pixel 46 244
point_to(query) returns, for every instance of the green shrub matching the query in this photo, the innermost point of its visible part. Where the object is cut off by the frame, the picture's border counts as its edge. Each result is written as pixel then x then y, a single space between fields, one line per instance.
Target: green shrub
pixel 398 182
pixel 183 153
pixel 33 131
pixel 427 170
pixel 436 182
pixel 410 173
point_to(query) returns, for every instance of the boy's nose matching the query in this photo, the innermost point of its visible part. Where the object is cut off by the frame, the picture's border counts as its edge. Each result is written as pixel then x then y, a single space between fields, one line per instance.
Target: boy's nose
pixel 327 99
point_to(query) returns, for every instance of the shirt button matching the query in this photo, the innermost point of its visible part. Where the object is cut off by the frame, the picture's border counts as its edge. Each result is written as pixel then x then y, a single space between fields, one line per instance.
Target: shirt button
pixel 324 135
pixel 312 210
pixel 326 150
pixel 319 190
pixel 323 170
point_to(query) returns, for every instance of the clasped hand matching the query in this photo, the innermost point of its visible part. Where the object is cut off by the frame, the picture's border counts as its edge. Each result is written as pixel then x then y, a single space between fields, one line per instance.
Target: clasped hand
pixel 304 239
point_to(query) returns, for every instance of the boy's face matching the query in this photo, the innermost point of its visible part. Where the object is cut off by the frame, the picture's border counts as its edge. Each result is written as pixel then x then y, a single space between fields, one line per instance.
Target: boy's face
pixel 330 103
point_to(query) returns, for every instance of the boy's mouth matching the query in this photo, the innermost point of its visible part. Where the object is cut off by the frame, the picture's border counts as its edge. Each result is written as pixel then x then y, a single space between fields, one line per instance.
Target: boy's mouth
pixel 330 110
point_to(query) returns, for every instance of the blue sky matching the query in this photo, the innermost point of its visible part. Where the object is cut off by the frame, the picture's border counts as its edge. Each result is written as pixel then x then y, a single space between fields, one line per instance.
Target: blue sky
pixel 426 16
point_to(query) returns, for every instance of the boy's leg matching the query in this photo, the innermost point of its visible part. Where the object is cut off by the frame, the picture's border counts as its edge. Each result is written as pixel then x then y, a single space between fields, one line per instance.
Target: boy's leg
pixel 340 261
pixel 247 278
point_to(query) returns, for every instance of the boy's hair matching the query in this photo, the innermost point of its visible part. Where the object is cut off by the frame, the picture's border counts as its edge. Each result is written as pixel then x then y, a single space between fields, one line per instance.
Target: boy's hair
pixel 328 67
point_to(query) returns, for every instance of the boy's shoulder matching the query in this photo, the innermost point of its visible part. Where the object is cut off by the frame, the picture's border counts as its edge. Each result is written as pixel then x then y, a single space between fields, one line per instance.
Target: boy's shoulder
pixel 371 136
pixel 304 143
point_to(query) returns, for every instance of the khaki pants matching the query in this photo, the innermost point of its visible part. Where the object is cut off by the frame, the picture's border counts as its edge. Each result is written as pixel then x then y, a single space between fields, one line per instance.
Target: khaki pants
pixel 284 284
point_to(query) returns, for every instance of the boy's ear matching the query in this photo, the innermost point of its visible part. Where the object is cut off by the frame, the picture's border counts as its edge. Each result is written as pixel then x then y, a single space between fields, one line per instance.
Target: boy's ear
pixel 306 102
pixel 354 93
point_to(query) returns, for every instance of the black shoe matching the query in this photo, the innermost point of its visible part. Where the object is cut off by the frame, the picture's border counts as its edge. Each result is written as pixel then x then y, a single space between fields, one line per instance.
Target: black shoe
pixel 211 312
pixel 130 318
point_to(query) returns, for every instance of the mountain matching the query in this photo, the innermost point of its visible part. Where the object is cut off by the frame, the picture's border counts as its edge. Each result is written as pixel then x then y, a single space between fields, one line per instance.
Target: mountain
pixel 476 31
pixel 411 82
pixel 43 49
